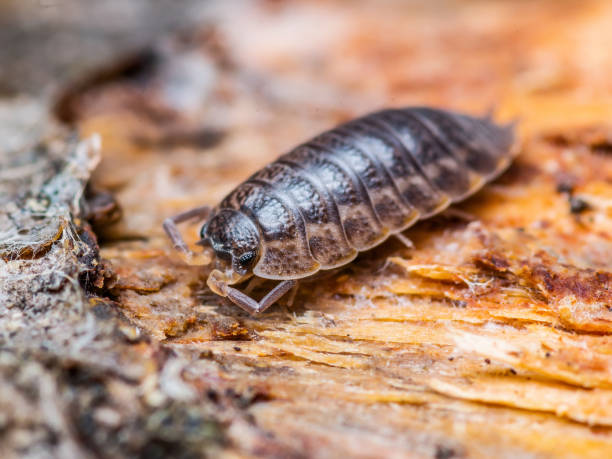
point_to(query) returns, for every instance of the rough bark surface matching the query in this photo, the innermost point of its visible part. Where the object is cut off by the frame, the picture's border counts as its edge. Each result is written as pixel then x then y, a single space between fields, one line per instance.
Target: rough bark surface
pixel 491 338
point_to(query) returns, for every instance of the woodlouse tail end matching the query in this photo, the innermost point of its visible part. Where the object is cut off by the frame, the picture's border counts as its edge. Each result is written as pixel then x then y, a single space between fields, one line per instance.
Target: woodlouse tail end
pixel 504 136
pixel 491 113
pixel 508 143
pixel 511 138
pixel 501 139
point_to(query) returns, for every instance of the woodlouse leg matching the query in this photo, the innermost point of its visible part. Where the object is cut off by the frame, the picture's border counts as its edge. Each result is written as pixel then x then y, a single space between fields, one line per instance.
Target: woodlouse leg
pixel 173 232
pixel 460 214
pixel 253 284
pixel 292 294
pixel 404 240
pixel 252 306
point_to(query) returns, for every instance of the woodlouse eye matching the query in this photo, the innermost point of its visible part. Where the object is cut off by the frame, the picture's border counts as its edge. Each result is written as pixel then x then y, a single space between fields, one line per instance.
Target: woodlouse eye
pixel 246 259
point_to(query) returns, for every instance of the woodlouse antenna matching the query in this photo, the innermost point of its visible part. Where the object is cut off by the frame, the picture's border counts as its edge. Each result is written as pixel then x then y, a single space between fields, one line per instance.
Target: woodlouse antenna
pixel 189 257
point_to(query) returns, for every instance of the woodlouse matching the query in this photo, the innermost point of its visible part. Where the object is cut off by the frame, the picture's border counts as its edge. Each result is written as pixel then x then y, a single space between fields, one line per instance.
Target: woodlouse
pixel 342 192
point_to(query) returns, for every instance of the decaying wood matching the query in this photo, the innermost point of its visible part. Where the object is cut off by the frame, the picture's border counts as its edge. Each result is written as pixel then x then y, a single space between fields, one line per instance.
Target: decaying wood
pixel 489 338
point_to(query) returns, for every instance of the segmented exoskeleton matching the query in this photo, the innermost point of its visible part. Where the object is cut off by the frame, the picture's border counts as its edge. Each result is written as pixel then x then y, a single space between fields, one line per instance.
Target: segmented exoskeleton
pixel 343 192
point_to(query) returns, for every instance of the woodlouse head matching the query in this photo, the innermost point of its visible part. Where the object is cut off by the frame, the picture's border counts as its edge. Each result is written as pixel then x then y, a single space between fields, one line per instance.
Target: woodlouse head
pixel 235 240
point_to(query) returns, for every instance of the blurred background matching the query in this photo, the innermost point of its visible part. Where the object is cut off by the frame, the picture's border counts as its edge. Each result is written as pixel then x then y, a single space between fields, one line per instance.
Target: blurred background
pixel 318 55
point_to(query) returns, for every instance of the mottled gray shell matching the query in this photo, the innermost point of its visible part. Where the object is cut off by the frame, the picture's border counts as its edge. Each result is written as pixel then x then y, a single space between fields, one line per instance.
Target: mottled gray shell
pixel 350 188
